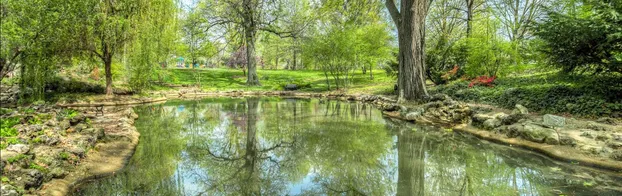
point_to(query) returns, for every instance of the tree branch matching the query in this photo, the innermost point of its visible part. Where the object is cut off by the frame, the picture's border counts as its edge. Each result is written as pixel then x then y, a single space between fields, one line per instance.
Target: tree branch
pixel 395 14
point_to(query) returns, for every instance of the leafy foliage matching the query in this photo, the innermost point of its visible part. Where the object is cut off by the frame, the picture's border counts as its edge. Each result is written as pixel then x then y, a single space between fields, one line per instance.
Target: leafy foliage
pixel 590 40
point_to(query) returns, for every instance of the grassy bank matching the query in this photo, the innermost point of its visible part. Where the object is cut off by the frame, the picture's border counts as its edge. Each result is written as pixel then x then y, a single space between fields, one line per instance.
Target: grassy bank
pixel 550 92
pixel 308 80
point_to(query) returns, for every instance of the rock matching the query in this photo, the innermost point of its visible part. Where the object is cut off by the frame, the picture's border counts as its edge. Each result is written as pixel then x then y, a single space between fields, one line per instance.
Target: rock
pixel 603 137
pixel 491 124
pixel 8 190
pixel 291 87
pixel 64 125
pixel 480 118
pixel 614 144
pixel 512 118
pixel 77 119
pixel 77 151
pixel 97 132
pixel 57 172
pixel 79 127
pixel 607 120
pixel 567 140
pixel 553 120
pixel 51 123
pixel 597 127
pixel 32 178
pixel 19 148
pixel 515 130
pixel 51 140
pixel 6 155
pixel 439 97
pixel 417 112
pixel 588 133
pixel 616 155
pixel 617 137
pixel 390 107
pixel 536 133
pixel 520 109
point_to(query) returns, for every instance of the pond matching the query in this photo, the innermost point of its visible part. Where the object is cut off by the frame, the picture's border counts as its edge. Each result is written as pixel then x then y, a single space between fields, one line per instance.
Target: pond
pixel 280 146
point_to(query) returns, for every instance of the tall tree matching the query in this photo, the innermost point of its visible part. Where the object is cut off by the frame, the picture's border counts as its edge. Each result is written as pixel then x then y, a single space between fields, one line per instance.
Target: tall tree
pixel 248 17
pixel 105 27
pixel 410 23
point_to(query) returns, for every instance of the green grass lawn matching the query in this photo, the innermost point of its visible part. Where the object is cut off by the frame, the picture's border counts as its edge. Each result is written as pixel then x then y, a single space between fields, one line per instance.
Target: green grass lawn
pixel 311 81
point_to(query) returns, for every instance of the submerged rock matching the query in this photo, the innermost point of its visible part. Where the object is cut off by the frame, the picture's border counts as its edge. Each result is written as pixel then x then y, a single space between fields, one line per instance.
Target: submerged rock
pixel 553 120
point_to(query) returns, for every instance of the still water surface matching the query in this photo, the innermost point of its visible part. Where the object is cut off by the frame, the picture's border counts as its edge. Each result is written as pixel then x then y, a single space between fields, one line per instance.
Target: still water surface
pixel 278 146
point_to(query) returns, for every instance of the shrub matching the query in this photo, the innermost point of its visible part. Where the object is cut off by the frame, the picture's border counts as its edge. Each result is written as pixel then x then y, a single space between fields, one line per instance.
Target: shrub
pixel 6 126
pixel 483 80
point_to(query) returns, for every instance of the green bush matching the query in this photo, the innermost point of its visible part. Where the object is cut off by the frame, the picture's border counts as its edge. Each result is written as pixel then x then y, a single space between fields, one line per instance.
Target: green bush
pixel 6 126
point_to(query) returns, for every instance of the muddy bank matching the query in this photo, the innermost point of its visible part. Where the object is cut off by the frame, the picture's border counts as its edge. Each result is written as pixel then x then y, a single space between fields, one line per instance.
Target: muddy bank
pixel 46 149
pixel 590 143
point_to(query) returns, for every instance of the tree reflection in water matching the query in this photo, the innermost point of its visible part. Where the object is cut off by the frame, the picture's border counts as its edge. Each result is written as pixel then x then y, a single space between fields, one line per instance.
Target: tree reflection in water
pixel 273 146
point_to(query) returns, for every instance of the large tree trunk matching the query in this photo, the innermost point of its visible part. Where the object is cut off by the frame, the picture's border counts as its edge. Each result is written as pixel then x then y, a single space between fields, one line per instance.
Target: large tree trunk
pixel 410 22
pixel 249 32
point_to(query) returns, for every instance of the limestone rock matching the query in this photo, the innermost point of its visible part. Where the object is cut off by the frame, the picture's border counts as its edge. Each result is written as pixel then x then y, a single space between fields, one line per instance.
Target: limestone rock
pixel 567 140
pixel 480 118
pixel 77 119
pixel 8 190
pixel 492 123
pixel 64 125
pixel 6 155
pixel 536 133
pixel 32 178
pixel 553 120
pixel 597 127
pixel 520 109
pixel 19 148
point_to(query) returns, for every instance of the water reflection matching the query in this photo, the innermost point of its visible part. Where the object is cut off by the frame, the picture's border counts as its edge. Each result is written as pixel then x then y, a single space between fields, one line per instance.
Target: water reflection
pixel 273 146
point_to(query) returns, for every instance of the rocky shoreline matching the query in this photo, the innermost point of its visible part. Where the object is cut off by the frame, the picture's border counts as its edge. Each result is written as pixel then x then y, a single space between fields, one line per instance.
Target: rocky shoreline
pixel 54 147
pixel 57 147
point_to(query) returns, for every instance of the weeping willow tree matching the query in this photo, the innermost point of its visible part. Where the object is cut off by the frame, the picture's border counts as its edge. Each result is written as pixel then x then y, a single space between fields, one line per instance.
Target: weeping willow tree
pixel 32 42
pixel 157 32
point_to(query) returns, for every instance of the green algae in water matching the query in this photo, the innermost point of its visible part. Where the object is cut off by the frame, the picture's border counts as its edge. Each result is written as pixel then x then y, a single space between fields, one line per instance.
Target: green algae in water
pixel 274 146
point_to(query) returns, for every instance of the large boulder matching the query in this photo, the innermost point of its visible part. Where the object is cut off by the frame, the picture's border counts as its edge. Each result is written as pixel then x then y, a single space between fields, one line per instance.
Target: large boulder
pixel 553 120
pixel 537 133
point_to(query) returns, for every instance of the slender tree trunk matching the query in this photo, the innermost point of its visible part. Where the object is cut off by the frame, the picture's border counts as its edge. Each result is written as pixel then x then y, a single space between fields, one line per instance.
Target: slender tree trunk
pixel 371 75
pixel 469 13
pixel 108 66
pixel 410 22
pixel 249 32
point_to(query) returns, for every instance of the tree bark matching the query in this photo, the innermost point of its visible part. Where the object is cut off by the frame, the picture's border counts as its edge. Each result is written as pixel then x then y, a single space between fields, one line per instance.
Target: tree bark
pixel 469 13
pixel 107 58
pixel 410 23
pixel 250 29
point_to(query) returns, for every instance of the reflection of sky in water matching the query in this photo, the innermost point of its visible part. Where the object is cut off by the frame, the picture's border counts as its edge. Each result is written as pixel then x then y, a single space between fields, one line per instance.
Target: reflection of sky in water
pixel 448 163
